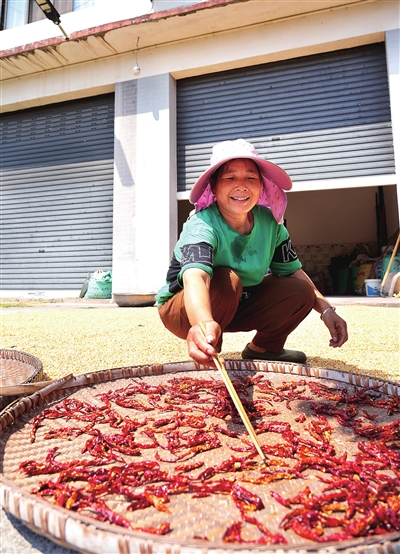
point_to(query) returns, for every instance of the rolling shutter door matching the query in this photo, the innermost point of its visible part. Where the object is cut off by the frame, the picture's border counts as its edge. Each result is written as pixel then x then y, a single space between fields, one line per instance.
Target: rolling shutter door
pixel 57 194
pixel 325 116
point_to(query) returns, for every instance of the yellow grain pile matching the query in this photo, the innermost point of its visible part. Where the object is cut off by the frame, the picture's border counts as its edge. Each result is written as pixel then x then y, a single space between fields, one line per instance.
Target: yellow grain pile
pixel 91 339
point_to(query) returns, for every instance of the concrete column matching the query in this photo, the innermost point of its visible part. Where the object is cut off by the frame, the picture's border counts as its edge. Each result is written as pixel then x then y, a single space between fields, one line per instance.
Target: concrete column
pixel 157 206
pixel 145 203
pixel 124 186
pixel 393 68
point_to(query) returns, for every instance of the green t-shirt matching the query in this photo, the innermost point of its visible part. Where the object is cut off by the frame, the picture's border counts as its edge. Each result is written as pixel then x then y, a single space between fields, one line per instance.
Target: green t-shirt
pixel 208 241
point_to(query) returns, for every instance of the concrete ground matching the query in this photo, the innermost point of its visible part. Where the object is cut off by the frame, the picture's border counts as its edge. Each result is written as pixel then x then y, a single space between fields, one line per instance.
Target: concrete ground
pixel 15 537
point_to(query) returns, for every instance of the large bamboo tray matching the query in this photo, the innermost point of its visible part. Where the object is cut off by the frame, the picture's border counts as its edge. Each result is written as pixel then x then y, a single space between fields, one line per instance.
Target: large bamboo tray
pixel 191 517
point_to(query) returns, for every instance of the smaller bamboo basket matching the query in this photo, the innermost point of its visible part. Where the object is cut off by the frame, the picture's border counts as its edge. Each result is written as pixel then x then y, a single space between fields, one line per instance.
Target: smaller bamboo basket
pixel 17 368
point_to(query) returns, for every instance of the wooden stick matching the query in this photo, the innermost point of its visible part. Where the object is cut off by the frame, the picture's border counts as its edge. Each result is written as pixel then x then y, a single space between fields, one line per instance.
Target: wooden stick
pixel 236 399
pixel 29 388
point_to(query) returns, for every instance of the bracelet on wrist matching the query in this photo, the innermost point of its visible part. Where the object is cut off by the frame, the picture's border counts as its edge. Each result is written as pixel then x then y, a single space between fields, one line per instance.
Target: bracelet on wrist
pixel 327 310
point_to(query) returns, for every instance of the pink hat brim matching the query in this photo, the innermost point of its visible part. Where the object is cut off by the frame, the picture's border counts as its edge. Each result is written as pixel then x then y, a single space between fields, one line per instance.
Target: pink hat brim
pixel 271 171
pixel 272 194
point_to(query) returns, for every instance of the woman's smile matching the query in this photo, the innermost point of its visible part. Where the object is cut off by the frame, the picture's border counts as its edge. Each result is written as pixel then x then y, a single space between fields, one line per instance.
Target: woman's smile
pixel 240 198
pixel 237 190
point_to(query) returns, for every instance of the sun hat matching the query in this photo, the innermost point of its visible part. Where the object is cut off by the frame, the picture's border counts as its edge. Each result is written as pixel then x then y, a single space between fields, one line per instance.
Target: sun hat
pixel 275 179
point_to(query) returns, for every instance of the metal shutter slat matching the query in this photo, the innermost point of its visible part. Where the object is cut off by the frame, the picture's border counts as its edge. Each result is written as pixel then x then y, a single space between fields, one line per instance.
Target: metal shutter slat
pixel 319 117
pixel 57 202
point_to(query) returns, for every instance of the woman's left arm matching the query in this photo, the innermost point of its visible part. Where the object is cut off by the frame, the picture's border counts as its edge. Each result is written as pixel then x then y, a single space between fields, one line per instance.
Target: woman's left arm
pixel 336 325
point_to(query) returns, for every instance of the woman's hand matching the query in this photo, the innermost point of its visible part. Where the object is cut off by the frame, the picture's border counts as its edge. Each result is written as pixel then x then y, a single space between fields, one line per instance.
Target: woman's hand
pixel 200 349
pixel 198 308
pixel 337 328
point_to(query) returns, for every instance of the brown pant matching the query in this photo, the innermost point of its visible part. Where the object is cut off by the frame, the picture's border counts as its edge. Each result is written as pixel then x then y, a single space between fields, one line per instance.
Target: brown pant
pixel 274 308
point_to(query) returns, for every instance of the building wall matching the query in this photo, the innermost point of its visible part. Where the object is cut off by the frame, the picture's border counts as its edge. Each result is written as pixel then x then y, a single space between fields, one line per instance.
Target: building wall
pixel 267 42
pixel 146 207
pixel 326 216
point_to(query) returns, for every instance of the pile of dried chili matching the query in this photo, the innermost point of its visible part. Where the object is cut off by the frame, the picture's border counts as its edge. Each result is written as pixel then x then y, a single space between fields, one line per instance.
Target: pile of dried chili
pixel 184 417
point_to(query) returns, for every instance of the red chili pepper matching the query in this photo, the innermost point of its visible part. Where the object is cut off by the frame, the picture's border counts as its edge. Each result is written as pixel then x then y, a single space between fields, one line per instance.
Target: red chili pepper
pixel 237 464
pixel 67 432
pixel 206 474
pixel 223 431
pixel 162 529
pixel 105 514
pixel 157 498
pixel 268 538
pixel 50 466
pixel 185 468
pixel 305 531
pixel 245 500
pixel 233 533
pixel 284 501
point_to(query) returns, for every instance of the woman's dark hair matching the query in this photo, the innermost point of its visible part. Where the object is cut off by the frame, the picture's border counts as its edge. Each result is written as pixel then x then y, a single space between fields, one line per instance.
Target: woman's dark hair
pixel 221 168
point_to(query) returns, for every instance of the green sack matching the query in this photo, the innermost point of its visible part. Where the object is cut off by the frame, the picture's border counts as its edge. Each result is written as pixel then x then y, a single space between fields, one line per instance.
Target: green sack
pixel 99 285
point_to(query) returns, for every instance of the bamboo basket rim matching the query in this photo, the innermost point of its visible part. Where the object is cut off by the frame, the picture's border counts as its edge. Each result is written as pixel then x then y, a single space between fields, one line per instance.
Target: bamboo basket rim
pixel 15 359
pixel 77 531
pixel 20 356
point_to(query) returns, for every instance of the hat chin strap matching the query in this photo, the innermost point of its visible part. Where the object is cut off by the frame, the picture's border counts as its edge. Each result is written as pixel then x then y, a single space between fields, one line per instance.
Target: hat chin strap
pixel 271 196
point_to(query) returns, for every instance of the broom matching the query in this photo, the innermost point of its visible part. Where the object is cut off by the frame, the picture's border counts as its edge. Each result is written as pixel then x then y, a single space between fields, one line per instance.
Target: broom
pixel 389 266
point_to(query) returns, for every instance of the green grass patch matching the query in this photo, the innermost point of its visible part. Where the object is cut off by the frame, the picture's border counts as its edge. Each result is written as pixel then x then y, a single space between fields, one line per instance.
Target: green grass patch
pixel 19 304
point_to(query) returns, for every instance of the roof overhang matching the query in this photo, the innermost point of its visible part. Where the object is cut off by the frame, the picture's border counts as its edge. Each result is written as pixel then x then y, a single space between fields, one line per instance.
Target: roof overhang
pixel 155 31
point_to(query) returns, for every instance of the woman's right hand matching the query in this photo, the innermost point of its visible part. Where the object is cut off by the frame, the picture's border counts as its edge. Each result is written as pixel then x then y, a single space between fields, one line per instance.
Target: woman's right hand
pixel 200 349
